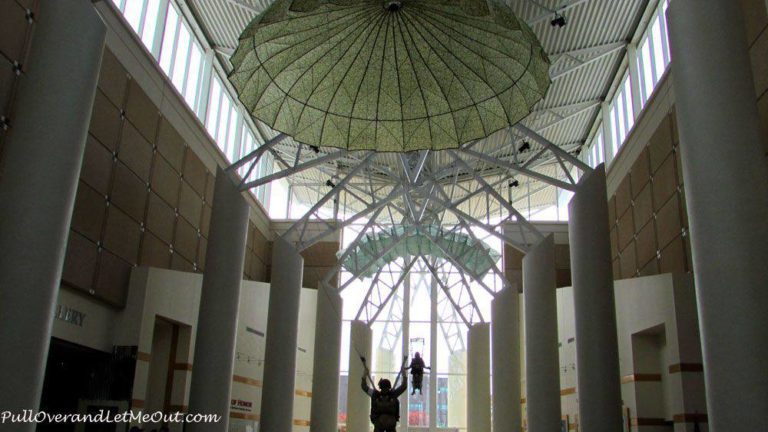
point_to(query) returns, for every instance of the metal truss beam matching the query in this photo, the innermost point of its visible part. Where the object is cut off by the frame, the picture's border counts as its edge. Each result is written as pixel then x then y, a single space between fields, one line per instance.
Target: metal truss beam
pixel 560 9
pixel 595 53
pixel 373 309
pixel 552 147
pixel 517 169
pixel 446 290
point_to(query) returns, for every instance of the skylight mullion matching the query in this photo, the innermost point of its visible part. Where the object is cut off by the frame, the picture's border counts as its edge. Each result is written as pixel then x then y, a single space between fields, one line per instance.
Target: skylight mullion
pixel 142 18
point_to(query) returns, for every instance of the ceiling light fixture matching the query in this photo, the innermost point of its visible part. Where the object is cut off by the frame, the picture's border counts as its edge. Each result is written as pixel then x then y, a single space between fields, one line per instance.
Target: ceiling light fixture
pixel 558 21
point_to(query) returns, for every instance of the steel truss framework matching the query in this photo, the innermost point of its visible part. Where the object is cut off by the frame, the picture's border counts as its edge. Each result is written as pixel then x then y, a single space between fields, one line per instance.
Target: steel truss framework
pixel 460 190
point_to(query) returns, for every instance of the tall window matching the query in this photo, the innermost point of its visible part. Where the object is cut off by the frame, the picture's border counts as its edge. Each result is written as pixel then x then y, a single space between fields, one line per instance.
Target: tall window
pixel 171 38
pixel 224 120
pixel 652 59
pixel 181 57
pixel 622 114
pixel 653 53
pixel 143 16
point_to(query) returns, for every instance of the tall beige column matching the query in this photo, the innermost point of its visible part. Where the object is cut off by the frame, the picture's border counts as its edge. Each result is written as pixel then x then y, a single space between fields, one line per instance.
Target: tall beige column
pixel 40 168
pixel 214 360
pixel 726 190
pixel 542 364
pixel 479 378
pixel 597 347
pixel 358 403
pixel 324 415
pixel 505 335
pixel 282 338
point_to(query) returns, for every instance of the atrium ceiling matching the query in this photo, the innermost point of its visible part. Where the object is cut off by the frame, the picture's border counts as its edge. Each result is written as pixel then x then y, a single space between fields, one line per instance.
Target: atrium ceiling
pixel 585 54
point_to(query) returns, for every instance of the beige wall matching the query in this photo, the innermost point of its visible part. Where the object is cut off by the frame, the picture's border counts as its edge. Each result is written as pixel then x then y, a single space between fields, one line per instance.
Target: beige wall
pixel 319 258
pixel 174 297
pixel 647 211
pixel 756 19
pixel 512 258
pixel 662 385
pixel 146 185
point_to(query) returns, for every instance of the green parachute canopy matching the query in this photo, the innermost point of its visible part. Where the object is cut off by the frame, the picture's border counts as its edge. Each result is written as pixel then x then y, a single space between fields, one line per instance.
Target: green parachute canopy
pixel 389 76
pixel 475 256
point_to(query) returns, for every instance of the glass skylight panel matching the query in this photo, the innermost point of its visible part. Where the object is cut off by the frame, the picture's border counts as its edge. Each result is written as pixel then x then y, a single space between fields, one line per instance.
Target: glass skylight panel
pixel 621 131
pixel 231 145
pixel 223 122
pixel 169 39
pixel 211 120
pixel 658 53
pixel 179 66
pixel 629 111
pixel 192 85
pixel 133 11
pixel 182 56
pixel 150 22
pixel 646 70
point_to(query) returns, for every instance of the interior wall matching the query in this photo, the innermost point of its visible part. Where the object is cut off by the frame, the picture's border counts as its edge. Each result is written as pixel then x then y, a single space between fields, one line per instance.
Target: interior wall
pixel 319 258
pixel 756 20
pixel 512 259
pixel 660 362
pixel 16 30
pixel 647 211
pixel 145 190
pixel 158 294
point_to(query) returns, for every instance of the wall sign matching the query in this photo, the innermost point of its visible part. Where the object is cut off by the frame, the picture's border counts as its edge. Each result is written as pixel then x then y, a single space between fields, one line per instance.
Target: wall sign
pixel 69 315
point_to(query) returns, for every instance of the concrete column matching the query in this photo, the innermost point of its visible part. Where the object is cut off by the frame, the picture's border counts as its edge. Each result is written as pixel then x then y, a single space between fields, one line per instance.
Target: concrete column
pixel 358 403
pixel 726 188
pixel 217 319
pixel 605 112
pixel 406 345
pixel 325 374
pixel 479 378
pixel 432 360
pixel 41 163
pixel 282 338
pixel 457 389
pixel 597 350
pixel 634 80
pixel 542 364
pixel 505 334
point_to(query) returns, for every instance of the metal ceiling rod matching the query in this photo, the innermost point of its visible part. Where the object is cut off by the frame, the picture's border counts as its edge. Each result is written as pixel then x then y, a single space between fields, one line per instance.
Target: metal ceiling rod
pixel 296 168
pixel 564 6
pixel 606 50
pixel 334 192
pixel 520 170
pixel 340 260
pixel 404 274
pixel 257 153
pixel 375 208
pixel 467 285
pixel 587 106
pixel 413 173
pixel 450 329
pixel 554 148
pixel 448 294
pixel 377 257
pixel 505 282
pixel 594 50
pixel 242 4
pixel 461 216
pixel 503 202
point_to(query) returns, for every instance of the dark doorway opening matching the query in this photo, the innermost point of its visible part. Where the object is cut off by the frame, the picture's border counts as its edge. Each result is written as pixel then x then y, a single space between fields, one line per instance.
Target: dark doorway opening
pixel 83 380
